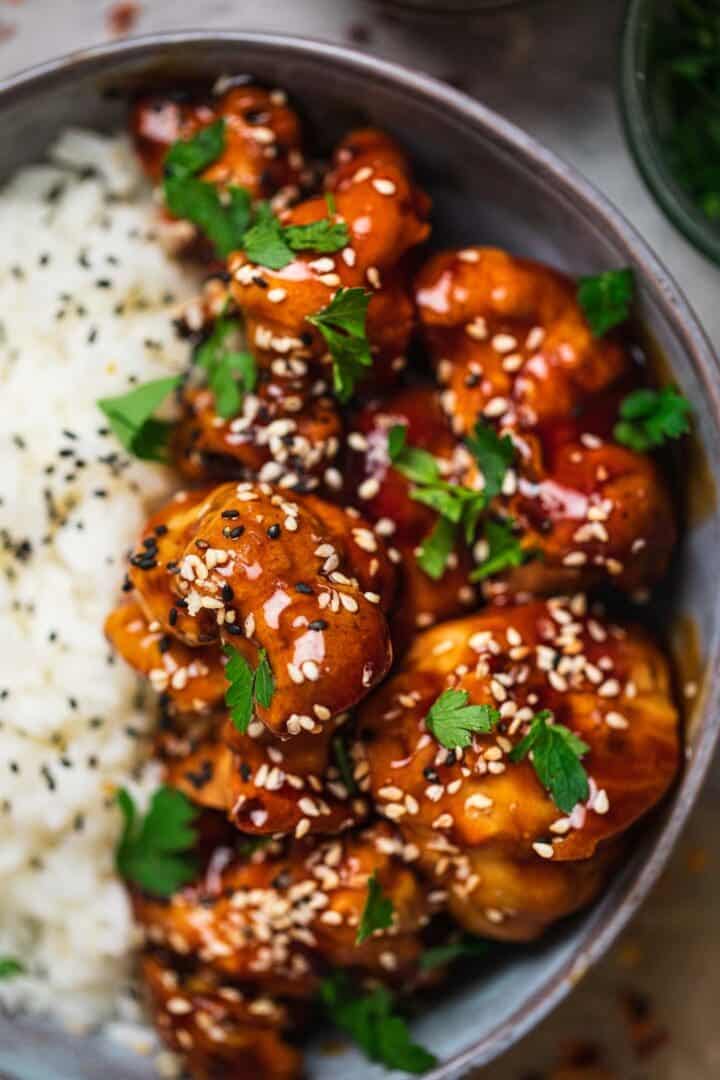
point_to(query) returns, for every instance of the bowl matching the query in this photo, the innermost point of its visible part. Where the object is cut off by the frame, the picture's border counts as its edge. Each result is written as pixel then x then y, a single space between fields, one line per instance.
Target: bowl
pixel 492 184
pixel 646 120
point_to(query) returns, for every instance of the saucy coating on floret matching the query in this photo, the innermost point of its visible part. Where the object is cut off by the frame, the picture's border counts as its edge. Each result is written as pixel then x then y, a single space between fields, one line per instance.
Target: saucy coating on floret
pixel 221 1030
pixel 279 920
pixel 386 217
pixel 383 495
pixel 294 578
pixel 480 819
pixel 265 786
pixel 512 348
pixel 262 152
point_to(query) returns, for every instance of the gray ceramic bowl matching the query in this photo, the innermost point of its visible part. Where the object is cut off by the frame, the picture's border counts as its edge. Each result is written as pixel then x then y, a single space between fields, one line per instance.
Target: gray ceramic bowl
pixel 491 184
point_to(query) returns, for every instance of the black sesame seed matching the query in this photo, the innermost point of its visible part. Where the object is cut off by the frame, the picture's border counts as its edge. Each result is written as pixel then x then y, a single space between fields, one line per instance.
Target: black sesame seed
pixel 274 532
pixel 301 587
pixel 172 616
pixel 164 643
pixel 230 514
pixel 236 532
pixel 227 593
pixel 161 530
pixel 233 630
pixel 318 624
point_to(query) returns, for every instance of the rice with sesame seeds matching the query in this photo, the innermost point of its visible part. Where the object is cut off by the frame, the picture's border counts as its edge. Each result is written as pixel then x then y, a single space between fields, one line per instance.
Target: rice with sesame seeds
pixel 88 296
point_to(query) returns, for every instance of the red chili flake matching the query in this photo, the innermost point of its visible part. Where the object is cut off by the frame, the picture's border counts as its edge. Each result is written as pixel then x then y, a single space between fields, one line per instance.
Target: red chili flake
pixel 122 17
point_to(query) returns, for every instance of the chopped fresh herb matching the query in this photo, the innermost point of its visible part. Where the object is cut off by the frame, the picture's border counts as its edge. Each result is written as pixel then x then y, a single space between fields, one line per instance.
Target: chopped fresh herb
pixel 222 216
pixel 342 324
pixel 649 417
pixel 9 967
pixel 493 454
pixel 606 299
pixel 265 242
pixel 417 465
pixel 324 236
pixel 246 686
pixel 435 549
pixel 222 365
pixel 370 1021
pixel 452 721
pixel 188 157
pixel 264 681
pixel 467 945
pixel 377 913
pixel 344 764
pixel 131 418
pixel 556 753
pixel 155 852
pixel 683 72
pixel 504 550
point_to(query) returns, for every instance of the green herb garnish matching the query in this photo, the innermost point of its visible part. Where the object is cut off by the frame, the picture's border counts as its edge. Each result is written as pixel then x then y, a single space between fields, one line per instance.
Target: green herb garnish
pixel 247 686
pixel 370 1021
pixel 435 549
pixel 10 967
pixel 467 945
pixel 270 244
pixel 155 852
pixel 493 454
pixel 606 299
pixel 222 216
pixel 504 550
pixel 223 366
pixel 324 236
pixel 377 913
pixel 344 764
pixel 131 418
pixel 556 753
pixel 452 721
pixel 342 324
pixel 648 418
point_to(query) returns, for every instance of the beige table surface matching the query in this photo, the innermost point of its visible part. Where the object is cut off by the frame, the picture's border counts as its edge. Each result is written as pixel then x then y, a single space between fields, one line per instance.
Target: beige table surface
pixel 551 67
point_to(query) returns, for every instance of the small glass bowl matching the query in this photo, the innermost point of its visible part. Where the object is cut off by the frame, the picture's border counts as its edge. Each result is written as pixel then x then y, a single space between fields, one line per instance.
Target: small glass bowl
pixel 641 114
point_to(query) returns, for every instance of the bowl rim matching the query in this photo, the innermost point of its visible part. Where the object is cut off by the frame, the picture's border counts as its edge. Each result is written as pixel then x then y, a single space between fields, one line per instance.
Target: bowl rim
pixel 680 210
pixel 633 882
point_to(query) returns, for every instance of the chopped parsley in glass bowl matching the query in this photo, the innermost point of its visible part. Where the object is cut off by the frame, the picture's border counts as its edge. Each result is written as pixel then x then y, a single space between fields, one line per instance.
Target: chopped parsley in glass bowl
pixel 670 89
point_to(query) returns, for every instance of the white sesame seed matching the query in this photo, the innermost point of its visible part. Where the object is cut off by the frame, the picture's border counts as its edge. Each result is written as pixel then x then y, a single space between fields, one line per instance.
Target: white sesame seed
pixel 504 343
pixel 276 296
pixel 384 186
pixel 545 851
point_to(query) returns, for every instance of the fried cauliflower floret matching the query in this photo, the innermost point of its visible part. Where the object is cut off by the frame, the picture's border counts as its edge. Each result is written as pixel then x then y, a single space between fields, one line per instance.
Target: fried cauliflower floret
pixel 382 493
pixel 484 824
pixel 287 432
pixel 508 338
pixel 222 1031
pixel 265 786
pixel 279 920
pixel 293 578
pixel 386 216
pixel 262 137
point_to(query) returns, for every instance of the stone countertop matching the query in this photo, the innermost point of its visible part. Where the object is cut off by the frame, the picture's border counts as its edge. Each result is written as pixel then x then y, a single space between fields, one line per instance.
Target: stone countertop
pixel 647 1012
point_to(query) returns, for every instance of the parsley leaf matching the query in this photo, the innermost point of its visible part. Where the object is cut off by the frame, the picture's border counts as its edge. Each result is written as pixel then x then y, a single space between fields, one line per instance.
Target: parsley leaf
pixel 221 366
pixel 324 236
pixel 265 242
pixel 9 967
pixel 649 417
pixel 415 464
pixel 131 419
pixel 370 1021
pixel 190 156
pixel 155 853
pixel 606 299
pixel 467 945
pixel 435 548
pixel 246 686
pixel 556 753
pixel 344 764
pixel 222 216
pixel 451 720
pixel 504 550
pixel 342 324
pixel 377 913
pixel 493 454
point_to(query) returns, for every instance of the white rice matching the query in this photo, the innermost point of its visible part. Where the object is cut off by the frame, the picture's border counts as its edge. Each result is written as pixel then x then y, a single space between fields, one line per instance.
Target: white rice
pixel 74 248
